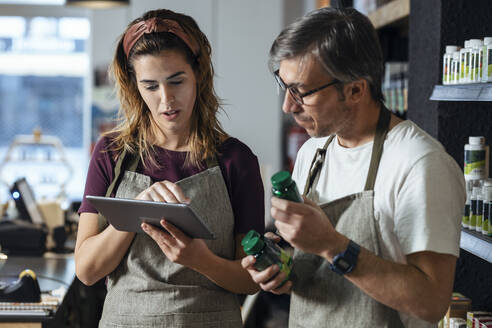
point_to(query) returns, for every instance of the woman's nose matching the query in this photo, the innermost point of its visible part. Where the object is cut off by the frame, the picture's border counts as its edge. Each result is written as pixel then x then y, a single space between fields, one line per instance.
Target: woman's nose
pixel 167 96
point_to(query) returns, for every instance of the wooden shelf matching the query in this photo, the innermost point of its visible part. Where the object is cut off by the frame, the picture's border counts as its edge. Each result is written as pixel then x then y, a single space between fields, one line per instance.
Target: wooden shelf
pixel 463 92
pixel 477 244
pixel 390 13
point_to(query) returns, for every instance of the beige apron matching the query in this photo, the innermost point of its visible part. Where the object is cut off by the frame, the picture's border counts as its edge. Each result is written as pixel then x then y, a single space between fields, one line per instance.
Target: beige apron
pixel 320 297
pixel 148 290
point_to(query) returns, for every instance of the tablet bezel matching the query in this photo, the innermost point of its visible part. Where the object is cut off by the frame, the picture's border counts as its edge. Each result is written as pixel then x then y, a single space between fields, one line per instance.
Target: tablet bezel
pixel 127 215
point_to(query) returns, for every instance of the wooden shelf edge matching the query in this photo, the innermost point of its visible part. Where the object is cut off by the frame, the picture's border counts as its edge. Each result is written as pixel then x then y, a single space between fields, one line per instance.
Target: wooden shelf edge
pixel 390 13
pixel 477 245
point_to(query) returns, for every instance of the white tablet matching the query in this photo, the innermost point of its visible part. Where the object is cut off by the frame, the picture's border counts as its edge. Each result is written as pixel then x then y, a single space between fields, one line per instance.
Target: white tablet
pixel 128 214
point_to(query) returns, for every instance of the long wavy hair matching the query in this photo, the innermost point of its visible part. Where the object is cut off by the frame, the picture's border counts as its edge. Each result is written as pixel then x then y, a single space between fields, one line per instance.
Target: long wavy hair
pixel 134 132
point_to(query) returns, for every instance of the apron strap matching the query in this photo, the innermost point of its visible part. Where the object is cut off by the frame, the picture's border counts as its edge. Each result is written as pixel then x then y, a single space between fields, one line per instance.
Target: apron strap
pixel 212 161
pixel 117 173
pixel 377 150
pixel 119 169
pixel 316 165
pixel 377 147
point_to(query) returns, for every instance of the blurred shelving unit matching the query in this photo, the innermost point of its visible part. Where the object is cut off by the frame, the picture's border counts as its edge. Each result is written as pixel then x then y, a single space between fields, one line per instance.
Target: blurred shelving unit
pixel 390 13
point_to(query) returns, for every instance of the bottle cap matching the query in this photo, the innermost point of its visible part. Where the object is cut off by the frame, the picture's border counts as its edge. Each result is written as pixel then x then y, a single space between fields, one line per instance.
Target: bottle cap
pixel 451 49
pixel 467 43
pixel 476 140
pixel 476 43
pixel 252 243
pixel 281 179
pixel 487 40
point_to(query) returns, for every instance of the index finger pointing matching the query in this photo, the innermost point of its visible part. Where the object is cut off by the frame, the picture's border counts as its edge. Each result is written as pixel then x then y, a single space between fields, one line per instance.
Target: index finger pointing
pixel 177 191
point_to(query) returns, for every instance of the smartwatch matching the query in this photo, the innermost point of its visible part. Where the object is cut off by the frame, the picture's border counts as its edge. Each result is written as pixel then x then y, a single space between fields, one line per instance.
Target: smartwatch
pixel 346 261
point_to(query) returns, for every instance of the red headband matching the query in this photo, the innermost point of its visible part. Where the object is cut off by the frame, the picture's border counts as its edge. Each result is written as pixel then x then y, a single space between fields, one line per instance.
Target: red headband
pixel 156 24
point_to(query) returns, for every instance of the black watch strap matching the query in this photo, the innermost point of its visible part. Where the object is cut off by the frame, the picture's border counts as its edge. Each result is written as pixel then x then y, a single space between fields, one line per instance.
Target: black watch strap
pixel 346 261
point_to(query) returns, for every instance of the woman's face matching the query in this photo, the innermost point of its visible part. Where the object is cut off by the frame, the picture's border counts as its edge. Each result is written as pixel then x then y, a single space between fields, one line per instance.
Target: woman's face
pixel 167 84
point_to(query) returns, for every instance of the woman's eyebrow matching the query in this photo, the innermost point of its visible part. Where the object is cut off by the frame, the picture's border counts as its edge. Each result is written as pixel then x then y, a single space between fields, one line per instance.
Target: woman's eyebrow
pixel 168 78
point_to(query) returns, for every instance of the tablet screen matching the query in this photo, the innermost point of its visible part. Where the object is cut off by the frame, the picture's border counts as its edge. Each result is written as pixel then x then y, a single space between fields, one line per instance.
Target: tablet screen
pixel 128 214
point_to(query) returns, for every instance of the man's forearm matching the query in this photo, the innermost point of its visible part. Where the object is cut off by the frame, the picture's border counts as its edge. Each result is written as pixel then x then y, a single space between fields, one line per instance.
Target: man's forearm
pixel 421 288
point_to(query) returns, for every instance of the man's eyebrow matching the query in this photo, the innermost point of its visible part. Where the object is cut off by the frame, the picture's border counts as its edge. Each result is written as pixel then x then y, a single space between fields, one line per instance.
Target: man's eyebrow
pixel 295 85
pixel 168 78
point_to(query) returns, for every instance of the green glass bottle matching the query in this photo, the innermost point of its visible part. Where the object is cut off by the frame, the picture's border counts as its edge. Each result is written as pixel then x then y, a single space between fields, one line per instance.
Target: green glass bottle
pixel 284 187
pixel 266 252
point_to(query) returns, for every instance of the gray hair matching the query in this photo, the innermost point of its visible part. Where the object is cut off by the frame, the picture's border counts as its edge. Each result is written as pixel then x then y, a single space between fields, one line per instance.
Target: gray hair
pixel 343 40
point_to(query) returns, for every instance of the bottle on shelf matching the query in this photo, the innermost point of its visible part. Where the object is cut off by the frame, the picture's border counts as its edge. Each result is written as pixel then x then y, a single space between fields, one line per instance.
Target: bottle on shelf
pixel 455 68
pixel 475 198
pixel 464 58
pixel 487 201
pixel 476 164
pixel 467 210
pixel 487 60
pixel 475 61
pixel 446 64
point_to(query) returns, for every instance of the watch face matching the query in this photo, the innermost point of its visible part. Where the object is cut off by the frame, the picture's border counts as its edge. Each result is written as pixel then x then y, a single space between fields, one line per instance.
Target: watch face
pixel 343 264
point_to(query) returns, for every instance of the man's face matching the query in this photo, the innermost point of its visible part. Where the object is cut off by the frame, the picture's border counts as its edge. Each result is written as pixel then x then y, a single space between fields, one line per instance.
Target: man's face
pixel 323 113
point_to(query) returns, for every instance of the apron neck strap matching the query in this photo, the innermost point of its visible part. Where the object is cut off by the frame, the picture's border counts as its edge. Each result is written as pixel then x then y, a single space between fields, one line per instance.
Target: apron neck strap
pixel 377 150
pixel 316 165
pixel 120 168
pixel 212 161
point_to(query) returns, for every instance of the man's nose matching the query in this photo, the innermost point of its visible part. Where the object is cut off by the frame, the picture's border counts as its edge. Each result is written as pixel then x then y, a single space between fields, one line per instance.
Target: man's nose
pixel 289 105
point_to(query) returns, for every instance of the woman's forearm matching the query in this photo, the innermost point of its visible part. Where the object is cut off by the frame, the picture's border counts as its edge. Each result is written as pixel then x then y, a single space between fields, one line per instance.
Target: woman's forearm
pixel 98 254
pixel 228 274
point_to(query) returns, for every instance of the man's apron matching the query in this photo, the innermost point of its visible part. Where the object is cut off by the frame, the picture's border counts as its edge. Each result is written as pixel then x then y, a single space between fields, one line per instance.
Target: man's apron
pixel 147 289
pixel 320 297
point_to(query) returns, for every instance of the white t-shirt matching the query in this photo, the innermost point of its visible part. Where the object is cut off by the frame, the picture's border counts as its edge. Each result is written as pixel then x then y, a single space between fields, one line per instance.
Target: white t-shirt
pixel 419 191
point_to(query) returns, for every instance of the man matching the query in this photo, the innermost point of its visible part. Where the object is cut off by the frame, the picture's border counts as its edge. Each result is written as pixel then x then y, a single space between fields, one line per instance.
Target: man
pixel 377 237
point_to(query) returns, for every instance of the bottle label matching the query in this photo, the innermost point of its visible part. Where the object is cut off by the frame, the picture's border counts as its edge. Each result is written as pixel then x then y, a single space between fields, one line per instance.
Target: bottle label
pixel 478 226
pixel 286 263
pixel 473 221
pixel 489 58
pixel 466 216
pixel 473 214
pixel 474 165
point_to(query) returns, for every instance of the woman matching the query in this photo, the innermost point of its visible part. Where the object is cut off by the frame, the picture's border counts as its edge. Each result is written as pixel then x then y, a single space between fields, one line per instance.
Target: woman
pixel 170 147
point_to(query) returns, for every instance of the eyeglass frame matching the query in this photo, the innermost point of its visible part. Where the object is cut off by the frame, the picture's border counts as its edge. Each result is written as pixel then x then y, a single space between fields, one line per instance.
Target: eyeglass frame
pixel 295 93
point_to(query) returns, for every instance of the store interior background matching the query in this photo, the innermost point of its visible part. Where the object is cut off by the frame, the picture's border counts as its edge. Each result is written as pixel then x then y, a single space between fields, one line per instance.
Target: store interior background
pixel 241 33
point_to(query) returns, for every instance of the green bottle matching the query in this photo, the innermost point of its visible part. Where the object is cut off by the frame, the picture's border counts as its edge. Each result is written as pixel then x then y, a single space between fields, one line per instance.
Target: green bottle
pixel 266 253
pixel 284 187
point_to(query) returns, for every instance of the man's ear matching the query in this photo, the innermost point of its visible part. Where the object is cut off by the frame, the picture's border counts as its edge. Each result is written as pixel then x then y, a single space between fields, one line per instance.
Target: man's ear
pixel 356 90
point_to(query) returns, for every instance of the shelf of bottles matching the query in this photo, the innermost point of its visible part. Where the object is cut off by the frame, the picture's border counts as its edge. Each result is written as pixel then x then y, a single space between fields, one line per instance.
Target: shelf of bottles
pixel 467 72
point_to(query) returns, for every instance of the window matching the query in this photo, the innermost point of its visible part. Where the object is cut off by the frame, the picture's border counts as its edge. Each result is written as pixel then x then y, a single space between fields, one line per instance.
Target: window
pixel 44 70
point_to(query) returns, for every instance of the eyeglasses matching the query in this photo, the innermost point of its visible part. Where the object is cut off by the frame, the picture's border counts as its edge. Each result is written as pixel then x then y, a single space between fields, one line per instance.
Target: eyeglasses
pixel 295 93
